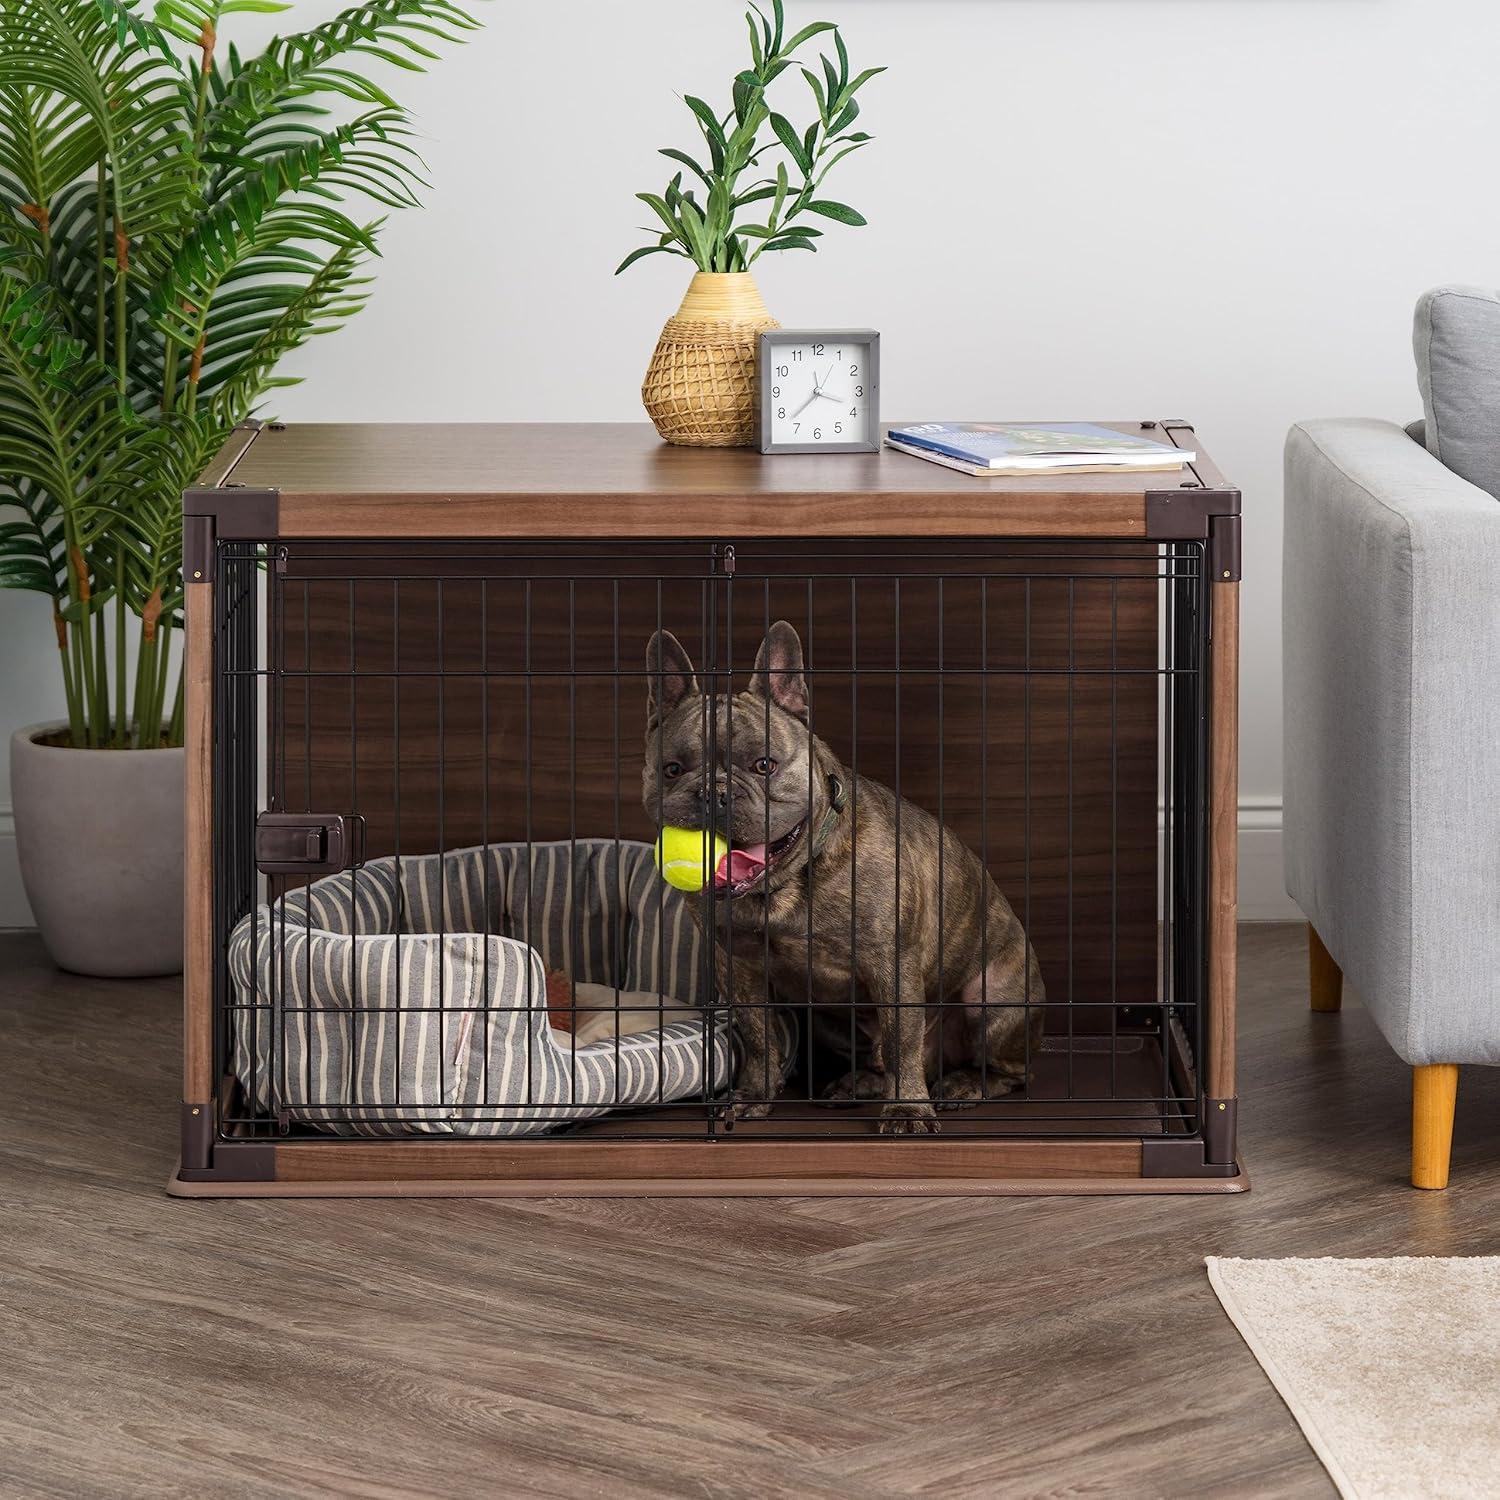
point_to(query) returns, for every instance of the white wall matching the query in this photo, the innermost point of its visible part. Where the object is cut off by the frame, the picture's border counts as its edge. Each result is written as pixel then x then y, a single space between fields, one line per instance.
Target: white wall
pixel 1216 209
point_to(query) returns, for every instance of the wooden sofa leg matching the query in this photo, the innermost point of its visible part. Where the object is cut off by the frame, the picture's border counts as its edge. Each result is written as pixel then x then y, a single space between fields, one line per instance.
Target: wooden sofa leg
pixel 1434 1092
pixel 1325 980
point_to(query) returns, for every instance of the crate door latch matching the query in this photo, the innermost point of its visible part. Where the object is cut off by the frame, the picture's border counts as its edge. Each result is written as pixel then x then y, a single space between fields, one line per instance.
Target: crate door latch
pixel 306 843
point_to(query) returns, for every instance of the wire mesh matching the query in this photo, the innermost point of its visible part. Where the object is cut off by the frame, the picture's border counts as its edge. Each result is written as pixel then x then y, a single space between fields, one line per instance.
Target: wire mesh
pixel 977 867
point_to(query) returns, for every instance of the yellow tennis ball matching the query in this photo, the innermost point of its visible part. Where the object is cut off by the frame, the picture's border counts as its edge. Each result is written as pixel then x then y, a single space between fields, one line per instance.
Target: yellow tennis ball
pixel 686 858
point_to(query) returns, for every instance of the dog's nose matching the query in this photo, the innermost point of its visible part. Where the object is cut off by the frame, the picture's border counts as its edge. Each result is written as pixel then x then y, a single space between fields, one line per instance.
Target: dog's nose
pixel 715 797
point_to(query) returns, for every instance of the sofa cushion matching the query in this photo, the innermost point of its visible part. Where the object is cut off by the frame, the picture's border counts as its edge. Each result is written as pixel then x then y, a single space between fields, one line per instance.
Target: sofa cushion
pixel 1456 337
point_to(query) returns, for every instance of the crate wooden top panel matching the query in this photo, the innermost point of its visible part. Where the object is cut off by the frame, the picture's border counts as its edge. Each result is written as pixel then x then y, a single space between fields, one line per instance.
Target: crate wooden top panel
pixel 538 479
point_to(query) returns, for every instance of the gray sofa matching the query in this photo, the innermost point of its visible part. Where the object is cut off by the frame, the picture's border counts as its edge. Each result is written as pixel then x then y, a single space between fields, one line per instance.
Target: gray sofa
pixel 1391 615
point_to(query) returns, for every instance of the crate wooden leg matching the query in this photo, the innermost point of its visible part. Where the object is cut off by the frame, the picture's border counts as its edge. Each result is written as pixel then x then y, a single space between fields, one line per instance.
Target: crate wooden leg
pixel 198 958
pixel 1325 980
pixel 1223 880
pixel 1434 1093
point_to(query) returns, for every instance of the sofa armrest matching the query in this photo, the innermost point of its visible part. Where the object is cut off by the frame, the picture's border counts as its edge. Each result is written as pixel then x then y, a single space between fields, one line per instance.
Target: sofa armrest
pixel 1391 667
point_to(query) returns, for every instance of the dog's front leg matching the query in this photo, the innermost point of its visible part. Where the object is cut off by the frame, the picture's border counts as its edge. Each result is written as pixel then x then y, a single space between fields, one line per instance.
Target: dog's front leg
pixel 902 1032
pixel 761 1061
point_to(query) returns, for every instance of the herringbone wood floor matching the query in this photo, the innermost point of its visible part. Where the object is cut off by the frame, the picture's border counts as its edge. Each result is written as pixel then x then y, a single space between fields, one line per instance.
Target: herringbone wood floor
pixel 814 1347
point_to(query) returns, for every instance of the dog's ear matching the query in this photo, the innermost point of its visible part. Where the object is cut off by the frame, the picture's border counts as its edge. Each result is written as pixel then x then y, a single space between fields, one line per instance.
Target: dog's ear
pixel 778 671
pixel 669 676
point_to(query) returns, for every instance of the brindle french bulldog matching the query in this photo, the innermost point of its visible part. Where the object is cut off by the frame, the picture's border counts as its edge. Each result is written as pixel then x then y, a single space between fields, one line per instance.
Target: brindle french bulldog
pixel 813 906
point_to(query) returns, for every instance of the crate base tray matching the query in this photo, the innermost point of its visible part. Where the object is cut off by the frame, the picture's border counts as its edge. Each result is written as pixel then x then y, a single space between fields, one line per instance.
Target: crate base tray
pixel 1044 1144
pixel 759 1160
pixel 1089 1086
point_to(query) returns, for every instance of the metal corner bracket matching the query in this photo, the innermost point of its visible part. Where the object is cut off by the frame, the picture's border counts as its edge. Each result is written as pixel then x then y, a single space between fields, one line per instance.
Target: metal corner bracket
pixel 216 509
pixel 211 515
pixel 1221 1129
pixel 1210 1153
pixel 1224 548
pixel 237 511
pixel 1192 513
pixel 198 550
pixel 206 1158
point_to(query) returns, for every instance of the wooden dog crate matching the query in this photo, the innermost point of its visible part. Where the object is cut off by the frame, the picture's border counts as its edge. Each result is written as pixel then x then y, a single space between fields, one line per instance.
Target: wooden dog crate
pixel 409 641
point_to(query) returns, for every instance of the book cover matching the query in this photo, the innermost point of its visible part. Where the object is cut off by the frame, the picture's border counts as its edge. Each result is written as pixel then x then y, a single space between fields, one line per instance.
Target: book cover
pixel 1002 469
pixel 990 445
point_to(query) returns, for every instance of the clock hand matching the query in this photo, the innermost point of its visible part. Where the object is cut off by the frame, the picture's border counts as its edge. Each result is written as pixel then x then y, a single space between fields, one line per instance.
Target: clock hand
pixel 821 388
pixel 816 393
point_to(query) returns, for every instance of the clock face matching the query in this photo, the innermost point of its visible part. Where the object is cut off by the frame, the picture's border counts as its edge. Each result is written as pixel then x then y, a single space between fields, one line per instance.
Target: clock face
pixel 818 392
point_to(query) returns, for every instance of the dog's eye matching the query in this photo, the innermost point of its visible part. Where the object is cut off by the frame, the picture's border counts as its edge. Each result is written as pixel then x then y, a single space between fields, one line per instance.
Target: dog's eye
pixel 672 770
pixel 764 766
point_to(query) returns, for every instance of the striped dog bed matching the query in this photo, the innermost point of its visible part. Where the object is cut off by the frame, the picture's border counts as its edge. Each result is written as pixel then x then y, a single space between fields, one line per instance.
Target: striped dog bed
pixel 409 995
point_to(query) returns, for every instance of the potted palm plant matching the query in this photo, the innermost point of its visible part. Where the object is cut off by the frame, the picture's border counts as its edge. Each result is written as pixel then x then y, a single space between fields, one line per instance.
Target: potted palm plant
pixel 758 188
pixel 174 219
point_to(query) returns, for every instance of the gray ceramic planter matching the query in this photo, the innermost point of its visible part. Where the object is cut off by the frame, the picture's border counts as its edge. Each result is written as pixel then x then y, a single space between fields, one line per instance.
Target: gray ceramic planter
pixel 99 834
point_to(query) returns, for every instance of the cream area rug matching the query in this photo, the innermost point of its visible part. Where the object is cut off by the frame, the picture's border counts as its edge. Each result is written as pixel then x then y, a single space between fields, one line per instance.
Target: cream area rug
pixel 1392 1367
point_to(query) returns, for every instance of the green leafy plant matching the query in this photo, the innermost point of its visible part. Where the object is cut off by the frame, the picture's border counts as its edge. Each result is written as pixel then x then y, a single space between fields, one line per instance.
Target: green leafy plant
pixel 710 222
pixel 172 224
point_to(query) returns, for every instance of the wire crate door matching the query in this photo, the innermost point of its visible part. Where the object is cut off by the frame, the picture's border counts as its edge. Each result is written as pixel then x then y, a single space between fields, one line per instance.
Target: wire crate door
pixel 1044 702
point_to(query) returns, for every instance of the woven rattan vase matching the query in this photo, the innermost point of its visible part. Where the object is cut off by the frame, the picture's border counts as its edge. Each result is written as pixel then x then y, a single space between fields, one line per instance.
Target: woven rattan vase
pixel 700 386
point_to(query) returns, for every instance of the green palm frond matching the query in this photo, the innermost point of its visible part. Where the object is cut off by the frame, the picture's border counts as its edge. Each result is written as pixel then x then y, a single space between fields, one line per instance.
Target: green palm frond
pixel 121 78
pixel 329 297
pixel 46 142
pixel 175 220
pixel 147 535
pixel 62 423
pixel 33 554
pixel 401 33
pixel 196 22
pixel 366 155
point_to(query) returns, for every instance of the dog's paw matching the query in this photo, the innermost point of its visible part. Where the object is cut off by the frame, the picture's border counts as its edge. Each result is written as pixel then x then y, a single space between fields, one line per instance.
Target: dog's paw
pixel 746 1107
pixel 960 1088
pixel 908 1119
pixel 861 1084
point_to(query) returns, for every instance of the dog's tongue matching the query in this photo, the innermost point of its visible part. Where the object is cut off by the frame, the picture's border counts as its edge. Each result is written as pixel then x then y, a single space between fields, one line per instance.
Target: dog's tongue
pixel 739 865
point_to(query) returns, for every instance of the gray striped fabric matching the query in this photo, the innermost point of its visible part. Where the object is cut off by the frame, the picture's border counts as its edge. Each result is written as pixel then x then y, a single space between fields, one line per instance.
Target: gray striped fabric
pixel 409 996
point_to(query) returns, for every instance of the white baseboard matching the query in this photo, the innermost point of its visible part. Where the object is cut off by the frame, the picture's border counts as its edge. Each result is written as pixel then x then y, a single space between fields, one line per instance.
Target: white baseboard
pixel 14 911
pixel 1263 897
